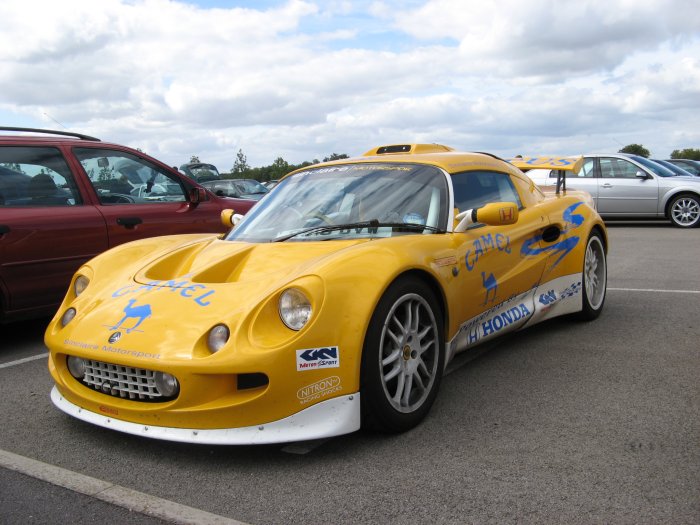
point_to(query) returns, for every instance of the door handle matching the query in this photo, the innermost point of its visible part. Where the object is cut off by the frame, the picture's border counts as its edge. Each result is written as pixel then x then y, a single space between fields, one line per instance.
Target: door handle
pixel 607 185
pixel 129 222
pixel 4 229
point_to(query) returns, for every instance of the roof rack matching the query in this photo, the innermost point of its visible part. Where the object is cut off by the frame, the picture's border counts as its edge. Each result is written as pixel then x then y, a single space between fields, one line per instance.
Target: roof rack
pixel 51 131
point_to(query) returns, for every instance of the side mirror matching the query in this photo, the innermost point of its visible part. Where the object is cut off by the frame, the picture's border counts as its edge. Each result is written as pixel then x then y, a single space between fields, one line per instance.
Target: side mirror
pixel 197 195
pixel 230 218
pixel 493 214
pixel 641 175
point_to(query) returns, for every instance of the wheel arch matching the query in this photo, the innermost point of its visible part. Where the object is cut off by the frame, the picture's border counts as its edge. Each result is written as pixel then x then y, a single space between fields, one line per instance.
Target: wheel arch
pixel 434 286
pixel 671 197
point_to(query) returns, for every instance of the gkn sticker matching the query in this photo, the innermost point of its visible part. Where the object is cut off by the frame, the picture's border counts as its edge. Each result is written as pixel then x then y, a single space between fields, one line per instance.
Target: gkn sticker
pixel 317 358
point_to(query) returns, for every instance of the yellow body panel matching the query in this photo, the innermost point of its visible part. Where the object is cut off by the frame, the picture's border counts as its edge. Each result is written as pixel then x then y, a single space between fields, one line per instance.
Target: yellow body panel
pixel 192 283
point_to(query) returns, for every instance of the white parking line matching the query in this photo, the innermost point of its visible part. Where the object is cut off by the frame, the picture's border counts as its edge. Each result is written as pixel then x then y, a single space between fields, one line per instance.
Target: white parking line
pixel 111 493
pixel 651 290
pixel 25 360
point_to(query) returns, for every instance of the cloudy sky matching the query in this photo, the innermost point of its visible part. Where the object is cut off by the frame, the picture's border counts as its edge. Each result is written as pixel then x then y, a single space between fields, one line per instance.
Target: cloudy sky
pixel 302 79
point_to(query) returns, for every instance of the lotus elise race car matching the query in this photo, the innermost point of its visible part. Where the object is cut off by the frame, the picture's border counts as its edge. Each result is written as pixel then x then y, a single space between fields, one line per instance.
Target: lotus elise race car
pixel 336 302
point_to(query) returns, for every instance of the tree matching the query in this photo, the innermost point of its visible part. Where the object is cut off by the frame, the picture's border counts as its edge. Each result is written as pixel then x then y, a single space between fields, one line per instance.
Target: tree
pixel 335 156
pixel 636 149
pixel 687 153
pixel 194 158
pixel 240 165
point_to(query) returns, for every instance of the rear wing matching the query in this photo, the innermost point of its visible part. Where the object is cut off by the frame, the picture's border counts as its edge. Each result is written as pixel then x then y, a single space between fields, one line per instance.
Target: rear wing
pixel 560 164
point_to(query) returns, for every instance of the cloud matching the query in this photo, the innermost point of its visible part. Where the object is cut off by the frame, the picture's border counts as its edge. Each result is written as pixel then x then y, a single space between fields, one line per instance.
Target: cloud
pixel 303 79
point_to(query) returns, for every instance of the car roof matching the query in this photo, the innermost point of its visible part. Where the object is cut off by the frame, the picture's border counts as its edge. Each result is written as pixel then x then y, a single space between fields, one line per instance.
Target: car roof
pixel 438 155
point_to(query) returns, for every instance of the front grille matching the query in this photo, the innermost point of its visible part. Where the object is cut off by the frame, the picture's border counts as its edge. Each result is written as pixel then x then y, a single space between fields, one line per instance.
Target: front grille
pixel 122 381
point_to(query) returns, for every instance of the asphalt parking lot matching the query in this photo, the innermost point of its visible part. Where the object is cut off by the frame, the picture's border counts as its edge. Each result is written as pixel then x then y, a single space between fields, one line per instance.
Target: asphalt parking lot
pixel 564 423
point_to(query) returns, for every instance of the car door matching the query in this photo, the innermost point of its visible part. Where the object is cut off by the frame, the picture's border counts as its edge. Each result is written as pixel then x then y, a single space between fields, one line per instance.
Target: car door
pixel 622 191
pixel 496 281
pixel 47 229
pixel 140 199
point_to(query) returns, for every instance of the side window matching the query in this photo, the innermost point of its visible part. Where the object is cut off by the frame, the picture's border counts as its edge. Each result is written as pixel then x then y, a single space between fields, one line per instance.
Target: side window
pixel 617 168
pixel 587 170
pixel 32 176
pixel 121 178
pixel 475 188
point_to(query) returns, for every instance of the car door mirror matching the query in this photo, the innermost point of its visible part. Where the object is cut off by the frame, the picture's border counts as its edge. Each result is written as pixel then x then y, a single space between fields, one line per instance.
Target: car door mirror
pixel 641 175
pixel 230 218
pixel 197 195
pixel 493 214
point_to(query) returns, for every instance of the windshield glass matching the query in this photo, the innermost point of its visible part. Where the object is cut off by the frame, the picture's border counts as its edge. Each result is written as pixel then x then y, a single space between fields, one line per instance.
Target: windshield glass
pixel 658 169
pixel 349 201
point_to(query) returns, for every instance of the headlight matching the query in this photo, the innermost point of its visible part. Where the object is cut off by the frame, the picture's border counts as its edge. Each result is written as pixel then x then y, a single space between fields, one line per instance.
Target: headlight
pixel 68 316
pixel 294 308
pixel 217 337
pixel 76 366
pixel 166 384
pixel 80 284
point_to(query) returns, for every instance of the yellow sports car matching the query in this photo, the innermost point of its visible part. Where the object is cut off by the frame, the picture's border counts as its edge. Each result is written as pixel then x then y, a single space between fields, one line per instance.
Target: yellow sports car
pixel 336 302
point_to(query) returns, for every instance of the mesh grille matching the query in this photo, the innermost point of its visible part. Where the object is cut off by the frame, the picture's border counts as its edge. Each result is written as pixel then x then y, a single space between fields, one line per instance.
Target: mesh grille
pixel 122 381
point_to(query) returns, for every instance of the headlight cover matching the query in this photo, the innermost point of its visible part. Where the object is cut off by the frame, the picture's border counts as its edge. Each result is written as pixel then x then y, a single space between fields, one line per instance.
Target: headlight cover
pixel 67 316
pixel 81 282
pixel 217 338
pixel 294 309
pixel 166 384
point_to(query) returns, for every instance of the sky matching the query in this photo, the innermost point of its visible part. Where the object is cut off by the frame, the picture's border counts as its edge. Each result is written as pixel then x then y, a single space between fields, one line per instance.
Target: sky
pixel 301 79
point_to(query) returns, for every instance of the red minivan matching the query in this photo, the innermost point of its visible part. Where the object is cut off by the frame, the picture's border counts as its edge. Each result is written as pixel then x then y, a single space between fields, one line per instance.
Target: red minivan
pixel 66 197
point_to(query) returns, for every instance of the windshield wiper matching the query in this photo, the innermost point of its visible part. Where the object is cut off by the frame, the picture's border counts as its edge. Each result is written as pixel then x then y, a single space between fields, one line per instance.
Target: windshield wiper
pixel 371 224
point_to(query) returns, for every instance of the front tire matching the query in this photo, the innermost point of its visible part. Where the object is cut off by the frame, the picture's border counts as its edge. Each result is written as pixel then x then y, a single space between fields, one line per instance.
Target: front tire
pixel 684 211
pixel 595 278
pixel 402 358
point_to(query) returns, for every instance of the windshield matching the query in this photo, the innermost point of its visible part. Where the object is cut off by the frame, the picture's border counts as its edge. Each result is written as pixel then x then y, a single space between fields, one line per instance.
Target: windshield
pixel 349 201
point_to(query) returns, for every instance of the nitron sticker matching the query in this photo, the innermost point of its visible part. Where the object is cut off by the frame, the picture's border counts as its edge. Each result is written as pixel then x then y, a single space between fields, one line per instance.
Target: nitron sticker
pixel 316 358
pixel 319 389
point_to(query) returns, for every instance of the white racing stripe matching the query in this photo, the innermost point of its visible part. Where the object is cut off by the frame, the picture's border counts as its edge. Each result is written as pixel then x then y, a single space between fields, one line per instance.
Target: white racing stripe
pixel 111 493
pixel 22 361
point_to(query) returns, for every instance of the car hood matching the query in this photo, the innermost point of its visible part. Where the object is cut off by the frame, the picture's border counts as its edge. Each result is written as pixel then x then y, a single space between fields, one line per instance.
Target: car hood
pixel 165 309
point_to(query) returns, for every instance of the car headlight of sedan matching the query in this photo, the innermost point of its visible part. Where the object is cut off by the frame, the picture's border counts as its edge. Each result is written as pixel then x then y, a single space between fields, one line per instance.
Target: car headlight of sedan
pixel 294 308
pixel 217 338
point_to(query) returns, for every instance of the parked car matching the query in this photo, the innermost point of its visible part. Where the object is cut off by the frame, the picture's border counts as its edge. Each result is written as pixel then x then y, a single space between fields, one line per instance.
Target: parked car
pixel 337 301
pixel 677 170
pixel 239 188
pixel 66 197
pixel 693 166
pixel 627 186
pixel 200 171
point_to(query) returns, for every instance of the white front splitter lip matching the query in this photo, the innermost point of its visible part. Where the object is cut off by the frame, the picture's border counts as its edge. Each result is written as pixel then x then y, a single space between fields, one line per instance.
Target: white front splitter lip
pixel 333 417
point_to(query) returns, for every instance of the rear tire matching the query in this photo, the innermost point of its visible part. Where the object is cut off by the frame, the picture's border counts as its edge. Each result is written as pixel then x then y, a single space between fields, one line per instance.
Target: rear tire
pixel 595 278
pixel 402 358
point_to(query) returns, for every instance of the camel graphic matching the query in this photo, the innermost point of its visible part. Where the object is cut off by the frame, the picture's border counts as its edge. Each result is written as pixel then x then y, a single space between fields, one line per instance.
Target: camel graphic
pixel 490 284
pixel 140 312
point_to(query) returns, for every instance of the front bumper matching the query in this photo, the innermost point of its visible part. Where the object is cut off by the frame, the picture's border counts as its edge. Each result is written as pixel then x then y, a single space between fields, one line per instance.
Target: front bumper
pixel 333 417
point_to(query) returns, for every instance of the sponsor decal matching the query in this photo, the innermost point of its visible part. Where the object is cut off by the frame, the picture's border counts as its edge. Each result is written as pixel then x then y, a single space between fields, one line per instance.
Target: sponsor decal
pixel 562 247
pixel 199 293
pixel 139 312
pixel 111 349
pixel 490 284
pixel 317 358
pixel 506 214
pixel 445 261
pixel 485 244
pixel 319 389
pixel 548 298
pixel 108 410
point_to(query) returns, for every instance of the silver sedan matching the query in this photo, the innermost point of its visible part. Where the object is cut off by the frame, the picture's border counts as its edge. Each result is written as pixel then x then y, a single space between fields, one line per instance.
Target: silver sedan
pixel 629 186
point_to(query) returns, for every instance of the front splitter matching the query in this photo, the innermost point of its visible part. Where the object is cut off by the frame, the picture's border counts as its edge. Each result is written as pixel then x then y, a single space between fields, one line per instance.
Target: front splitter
pixel 334 417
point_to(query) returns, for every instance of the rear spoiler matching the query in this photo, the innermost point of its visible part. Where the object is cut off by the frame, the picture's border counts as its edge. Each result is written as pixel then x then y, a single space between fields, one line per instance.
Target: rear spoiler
pixel 561 164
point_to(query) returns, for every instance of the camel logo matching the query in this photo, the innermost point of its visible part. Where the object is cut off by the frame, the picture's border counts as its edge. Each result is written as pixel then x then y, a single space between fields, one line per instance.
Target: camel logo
pixel 490 285
pixel 139 312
